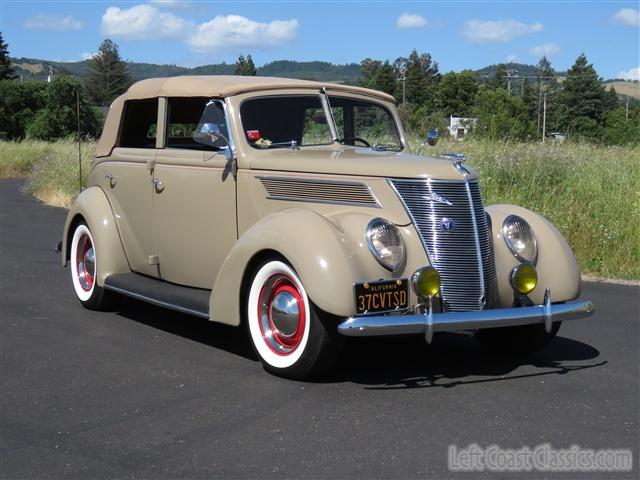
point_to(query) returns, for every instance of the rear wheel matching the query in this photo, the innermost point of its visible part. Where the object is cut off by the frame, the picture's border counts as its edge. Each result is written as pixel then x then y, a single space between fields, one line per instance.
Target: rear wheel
pixel 517 340
pixel 291 336
pixel 84 268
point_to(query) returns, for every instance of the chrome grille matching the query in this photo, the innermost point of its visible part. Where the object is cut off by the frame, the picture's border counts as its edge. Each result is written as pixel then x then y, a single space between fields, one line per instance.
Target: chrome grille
pixel 319 191
pixel 462 256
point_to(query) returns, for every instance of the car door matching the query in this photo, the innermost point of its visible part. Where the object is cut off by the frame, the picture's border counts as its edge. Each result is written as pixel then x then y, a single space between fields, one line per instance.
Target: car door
pixel 127 180
pixel 194 204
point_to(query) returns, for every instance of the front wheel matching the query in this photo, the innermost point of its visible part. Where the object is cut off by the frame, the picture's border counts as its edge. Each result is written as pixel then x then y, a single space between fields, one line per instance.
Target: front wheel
pixel 289 334
pixel 84 268
pixel 524 339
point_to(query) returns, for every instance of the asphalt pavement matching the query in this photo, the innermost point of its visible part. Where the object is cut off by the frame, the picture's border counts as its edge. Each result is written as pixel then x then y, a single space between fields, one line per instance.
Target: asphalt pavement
pixel 147 393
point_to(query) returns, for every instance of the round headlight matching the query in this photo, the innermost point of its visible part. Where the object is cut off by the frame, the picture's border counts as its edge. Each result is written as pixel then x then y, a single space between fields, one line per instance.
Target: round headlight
pixel 519 237
pixel 385 243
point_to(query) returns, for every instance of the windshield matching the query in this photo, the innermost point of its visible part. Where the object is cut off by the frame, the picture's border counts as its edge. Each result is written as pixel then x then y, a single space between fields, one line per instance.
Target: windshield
pixel 369 124
pixel 285 121
pixel 299 120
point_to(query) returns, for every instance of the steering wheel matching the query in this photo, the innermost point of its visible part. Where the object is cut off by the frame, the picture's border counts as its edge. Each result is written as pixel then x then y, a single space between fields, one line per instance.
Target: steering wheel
pixel 355 139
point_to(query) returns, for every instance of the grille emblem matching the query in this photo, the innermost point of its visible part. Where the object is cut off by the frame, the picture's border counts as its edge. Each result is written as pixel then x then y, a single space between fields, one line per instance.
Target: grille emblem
pixel 447 224
pixel 434 197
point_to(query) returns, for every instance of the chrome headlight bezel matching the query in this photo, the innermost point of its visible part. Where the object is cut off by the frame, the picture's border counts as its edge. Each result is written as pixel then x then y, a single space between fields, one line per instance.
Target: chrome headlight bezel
pixel 373 225
pixel 531 242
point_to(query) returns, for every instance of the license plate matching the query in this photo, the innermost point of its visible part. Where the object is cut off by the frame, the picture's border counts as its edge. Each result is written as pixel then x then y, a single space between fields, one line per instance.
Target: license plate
pixel 382 296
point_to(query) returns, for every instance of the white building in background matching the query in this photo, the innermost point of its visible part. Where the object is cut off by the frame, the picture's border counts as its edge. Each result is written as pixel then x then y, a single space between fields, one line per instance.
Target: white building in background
pixel 459 126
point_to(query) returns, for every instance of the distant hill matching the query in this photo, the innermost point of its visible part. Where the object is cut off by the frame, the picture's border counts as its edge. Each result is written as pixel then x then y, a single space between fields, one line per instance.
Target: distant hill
pixel 36 69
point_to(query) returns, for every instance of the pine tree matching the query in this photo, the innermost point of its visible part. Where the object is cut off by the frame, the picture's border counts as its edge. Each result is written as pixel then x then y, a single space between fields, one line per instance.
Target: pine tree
pixel 498 80
pixel 109 75
pixel 583 100
pixel 6 70
pixel 245 66
pixel 421 75
pixel 384 79
pixel 546 83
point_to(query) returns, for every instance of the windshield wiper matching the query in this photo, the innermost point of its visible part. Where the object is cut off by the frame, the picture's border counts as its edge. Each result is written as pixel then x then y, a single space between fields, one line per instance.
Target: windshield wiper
pixel 386 147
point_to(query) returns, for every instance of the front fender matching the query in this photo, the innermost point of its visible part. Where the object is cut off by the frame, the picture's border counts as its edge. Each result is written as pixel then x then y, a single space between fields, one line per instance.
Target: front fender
pixel 556 265
pixel 92 206
pixel 311 243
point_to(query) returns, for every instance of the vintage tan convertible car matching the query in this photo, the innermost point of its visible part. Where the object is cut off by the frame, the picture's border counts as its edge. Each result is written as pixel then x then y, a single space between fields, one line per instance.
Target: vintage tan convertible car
pixel 296 209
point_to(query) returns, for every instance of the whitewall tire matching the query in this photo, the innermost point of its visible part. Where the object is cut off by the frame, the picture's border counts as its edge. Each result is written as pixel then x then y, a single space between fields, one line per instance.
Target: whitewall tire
pixel 84 263
pixel 287 331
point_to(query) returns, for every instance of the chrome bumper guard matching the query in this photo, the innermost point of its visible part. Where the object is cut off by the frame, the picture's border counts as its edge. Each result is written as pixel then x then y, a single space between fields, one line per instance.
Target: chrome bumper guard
pixel 429 323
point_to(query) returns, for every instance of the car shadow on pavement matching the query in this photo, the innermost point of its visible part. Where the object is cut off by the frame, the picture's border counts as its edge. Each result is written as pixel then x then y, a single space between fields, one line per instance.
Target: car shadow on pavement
pixel 451 360
pixel 216 335
pixel 387 363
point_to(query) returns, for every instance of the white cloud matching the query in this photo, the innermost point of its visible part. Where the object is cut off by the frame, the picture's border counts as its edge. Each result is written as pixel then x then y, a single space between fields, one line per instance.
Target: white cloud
pixel 146 22
pixel 512 57
pixel 53 23
pixel 232 31
pixel 411 20
pixel 171 3
pixel 546 50
pixel 142 22
pixel 627 16
pixel 631 74
pixel 491 31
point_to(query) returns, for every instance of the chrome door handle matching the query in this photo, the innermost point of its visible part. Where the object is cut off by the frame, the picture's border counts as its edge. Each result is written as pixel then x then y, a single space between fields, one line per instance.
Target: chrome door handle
pixel 157 182
pixel 111 179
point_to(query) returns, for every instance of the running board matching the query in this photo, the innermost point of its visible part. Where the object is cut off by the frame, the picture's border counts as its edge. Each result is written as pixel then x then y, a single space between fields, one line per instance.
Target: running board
pixel 194 301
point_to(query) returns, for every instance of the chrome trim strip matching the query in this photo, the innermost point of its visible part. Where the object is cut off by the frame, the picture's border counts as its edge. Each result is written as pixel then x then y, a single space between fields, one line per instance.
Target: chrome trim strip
pixel 154 301
pixel 483 290
pixel 365 326
pixel 294 198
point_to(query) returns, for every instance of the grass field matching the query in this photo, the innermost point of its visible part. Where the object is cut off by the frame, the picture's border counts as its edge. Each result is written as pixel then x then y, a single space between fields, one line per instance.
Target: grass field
pixel 591 193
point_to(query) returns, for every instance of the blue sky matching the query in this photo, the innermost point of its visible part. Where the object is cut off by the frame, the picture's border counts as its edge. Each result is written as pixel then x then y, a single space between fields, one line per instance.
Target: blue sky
pixel 458 34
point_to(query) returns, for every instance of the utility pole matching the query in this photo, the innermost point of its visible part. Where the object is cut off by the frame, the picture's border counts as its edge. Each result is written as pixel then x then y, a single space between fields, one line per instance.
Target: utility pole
pixel 539 102
pixel 404 78
pixel 626 112
pixel 544 117
pixel 509 77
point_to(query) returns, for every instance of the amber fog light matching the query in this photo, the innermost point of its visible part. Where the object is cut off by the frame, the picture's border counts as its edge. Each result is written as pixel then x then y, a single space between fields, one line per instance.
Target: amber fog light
pixel 524 278
pixel 426 282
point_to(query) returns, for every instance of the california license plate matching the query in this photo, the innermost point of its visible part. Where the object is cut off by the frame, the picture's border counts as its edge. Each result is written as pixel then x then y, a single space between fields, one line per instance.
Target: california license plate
pixel 382 296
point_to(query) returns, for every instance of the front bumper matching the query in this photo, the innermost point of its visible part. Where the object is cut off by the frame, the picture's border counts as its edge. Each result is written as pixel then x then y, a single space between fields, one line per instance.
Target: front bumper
pixel 429 323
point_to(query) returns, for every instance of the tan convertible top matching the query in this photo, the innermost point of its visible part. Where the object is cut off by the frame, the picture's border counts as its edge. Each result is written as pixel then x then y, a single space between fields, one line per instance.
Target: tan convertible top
pixel 209 86
pixel 227 85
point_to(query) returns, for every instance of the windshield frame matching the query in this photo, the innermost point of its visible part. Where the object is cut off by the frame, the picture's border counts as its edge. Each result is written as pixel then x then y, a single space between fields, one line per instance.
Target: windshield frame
pixel 324 99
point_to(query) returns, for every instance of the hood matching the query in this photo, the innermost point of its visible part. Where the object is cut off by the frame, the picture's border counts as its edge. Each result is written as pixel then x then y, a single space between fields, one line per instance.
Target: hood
pixel 356 161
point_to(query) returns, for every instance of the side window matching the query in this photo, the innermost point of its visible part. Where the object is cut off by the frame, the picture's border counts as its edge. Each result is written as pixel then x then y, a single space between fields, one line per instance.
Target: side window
pixel 196 123
pixel 139 126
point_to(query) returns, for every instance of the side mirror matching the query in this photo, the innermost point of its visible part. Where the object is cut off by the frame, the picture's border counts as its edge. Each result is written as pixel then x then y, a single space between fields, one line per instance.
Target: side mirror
pixel 432 137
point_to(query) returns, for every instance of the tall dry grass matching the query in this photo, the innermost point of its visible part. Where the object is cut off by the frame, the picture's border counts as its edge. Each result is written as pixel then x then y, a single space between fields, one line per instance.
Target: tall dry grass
pixel 591 193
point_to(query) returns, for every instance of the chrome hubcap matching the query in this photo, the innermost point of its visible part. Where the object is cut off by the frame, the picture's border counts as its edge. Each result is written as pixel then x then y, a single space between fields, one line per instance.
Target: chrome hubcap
pixel 85 263
pixel 281 314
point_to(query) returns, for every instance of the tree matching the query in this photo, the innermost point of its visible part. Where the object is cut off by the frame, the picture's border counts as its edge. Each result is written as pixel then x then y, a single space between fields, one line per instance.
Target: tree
pixel 501 115
pixel 19 102
pixel 368 70
pixel 6 70
pixel 546 83
pixel 456 93
pixel 618 130
pixel 385 79
pixel 58 118
pixel 421 75
pixel 583 100
pixel 245 66
pixel 499 78
pixel 109 75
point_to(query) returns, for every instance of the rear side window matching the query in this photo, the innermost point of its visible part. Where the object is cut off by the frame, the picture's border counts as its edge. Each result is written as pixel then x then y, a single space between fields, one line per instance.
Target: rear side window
pixel 196 123
pixel 139 126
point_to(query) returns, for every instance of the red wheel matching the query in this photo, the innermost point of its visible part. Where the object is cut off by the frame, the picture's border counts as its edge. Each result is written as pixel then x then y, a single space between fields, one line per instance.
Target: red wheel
pixel 84 268
pixel 284 326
